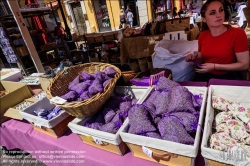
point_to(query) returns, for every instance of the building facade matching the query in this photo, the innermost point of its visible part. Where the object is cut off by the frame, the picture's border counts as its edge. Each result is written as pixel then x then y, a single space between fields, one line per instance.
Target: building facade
pixel 87 16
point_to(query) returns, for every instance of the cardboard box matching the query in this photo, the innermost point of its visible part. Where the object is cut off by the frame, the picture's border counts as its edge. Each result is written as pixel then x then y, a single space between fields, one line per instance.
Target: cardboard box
pixel 55 127
pixel 45 82
pixel 108 141
pixel 18 93
pixel 166 152
pixel 14 75
pixel 231 93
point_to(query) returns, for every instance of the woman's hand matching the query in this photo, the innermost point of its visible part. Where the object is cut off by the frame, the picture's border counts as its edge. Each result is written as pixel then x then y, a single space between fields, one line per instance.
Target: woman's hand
pixel 205 68
pixel 190 57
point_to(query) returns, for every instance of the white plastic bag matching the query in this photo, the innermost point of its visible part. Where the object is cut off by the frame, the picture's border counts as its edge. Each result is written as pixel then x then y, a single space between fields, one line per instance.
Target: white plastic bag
pixel 171 54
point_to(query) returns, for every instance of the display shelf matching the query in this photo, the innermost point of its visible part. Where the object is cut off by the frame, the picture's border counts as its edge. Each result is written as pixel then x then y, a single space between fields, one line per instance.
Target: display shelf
pixel 9 22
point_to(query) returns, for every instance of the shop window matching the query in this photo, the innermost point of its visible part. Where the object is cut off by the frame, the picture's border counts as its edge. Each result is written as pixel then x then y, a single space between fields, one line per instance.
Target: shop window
pixel 134 9
pixel 102 15
pixel 79 19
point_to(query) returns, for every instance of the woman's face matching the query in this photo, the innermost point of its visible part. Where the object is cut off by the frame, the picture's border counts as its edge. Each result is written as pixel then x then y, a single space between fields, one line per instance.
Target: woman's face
pixel 214 15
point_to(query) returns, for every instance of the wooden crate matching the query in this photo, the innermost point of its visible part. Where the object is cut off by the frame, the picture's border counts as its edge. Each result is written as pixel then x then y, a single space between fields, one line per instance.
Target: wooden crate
pixel 160 156
pixel 215 163
pixel 58 130
pixel 117 149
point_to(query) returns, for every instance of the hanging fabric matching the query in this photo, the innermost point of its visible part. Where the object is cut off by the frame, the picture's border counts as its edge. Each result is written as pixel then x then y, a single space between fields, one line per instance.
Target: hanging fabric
pixel 38 23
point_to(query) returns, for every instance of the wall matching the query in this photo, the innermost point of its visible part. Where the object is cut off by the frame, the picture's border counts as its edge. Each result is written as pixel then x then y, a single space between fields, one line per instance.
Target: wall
pixel 114 12
pixel 91 15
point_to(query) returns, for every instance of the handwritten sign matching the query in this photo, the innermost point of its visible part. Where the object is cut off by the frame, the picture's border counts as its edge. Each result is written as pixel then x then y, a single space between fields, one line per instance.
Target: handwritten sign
pixel 147 151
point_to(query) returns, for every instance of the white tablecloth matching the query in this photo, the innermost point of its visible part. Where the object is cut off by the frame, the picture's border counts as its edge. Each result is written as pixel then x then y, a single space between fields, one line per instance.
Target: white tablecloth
pixel 241 15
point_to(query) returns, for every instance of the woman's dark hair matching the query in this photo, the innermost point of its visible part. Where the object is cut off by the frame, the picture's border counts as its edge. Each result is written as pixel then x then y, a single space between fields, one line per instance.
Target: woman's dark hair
pixel 203 11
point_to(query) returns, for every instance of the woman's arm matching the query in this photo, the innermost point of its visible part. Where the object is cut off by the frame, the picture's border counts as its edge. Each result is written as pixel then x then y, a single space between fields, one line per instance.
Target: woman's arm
pixel 241 64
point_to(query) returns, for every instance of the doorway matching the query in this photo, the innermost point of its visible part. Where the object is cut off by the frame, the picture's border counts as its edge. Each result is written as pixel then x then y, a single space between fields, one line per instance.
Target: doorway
pixel 134 9
pixel 102 15
pixel 79 19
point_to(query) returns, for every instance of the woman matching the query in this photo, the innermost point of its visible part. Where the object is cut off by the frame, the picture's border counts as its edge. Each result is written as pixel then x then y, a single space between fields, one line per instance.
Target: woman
pixel 221 48
pixel 123 18
pixel 130 17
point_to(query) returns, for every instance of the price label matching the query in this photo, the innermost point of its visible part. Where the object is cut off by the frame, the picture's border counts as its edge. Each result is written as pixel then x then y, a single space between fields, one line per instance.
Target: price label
pixel 58 100
pixel 97 141
pixel 147 151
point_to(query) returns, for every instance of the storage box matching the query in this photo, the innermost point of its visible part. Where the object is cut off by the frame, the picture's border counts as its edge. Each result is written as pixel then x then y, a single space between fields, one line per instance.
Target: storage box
pixel 18 93
pixel 55 127
pixel 45 82
pixel 107 141
pixel 11 75
pixel 231 93
pixel 166 152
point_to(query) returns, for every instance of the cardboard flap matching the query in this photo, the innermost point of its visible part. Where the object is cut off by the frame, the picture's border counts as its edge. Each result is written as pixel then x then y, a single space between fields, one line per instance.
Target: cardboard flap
pixel 13 113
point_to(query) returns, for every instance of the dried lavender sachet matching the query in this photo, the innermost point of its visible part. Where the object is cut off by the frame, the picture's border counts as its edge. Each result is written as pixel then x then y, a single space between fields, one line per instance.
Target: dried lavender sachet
pixel 77 80
pixel 153 135
pixel 101 76
pixel 165 84
pixel 161 102
pixel 96 87
pixel 87 76
pixel 180 100
pixel 113 102
pixel 139 120
pixel 105 83
pixel 117 117
pixel 110 72
pixel 149 103
pixel 81 87
pixel 134 101
pixel 189 120
pixel 111 127
pixel 70 96
pixel 94 125
pixel 125 106
pixel 84 96
pixel 109 116
pixel 171 129
pixel 41 112
pixel 57 110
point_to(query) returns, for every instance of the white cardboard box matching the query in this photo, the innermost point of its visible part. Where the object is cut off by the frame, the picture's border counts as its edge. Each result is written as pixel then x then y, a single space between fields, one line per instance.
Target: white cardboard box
pixel 77 125
pixel 232 93
pixel 168 146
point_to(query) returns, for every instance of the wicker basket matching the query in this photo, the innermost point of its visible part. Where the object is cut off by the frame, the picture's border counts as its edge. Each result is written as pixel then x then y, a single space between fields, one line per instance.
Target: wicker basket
pixel 59 86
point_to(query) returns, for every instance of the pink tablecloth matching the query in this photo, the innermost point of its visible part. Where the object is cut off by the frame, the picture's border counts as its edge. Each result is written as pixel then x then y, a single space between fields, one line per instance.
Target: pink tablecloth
pixel 67 150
